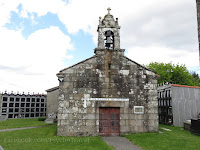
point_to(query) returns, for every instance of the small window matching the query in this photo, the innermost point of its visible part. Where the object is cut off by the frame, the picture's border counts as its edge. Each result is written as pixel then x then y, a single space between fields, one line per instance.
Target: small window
pixel 42 100
pixel 38 100
pixel 4 110
pixel 11 104
pixel 138 109
pixel 5 98
pixel 37 115
pixel 33 100
pixel 17 99
pixel 27 104
pixel 16 104
pixel 28 99
pixel 37 105
pixel 10 110
pixel 4 104
pixel 22 104
pixel 10 115
pixel 12 99
pixel 23 99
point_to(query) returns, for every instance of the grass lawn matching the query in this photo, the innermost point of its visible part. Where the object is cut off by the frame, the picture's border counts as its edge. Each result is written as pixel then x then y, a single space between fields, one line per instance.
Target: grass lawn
pixel 45 139
pixel 177 139
pixel 18 123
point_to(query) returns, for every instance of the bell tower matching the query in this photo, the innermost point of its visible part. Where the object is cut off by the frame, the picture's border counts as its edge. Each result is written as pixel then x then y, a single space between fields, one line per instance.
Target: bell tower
pixel 108 32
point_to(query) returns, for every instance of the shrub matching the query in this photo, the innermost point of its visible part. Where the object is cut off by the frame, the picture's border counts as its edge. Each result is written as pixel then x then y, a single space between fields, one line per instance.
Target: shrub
pixel 41 119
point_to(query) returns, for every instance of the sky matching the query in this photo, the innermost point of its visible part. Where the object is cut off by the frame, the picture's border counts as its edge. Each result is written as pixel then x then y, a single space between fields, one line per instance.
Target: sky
pixel 38 38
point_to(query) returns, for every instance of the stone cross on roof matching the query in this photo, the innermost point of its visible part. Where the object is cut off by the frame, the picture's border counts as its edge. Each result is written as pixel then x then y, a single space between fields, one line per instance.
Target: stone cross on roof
pixel 109 10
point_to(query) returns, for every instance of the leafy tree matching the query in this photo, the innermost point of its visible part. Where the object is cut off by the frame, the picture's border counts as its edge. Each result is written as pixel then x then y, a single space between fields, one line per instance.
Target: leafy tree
pixel 175 74
pixel 196 77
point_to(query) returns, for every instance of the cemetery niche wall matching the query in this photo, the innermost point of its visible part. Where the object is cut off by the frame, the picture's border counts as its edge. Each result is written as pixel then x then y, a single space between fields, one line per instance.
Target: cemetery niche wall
pixel 107 94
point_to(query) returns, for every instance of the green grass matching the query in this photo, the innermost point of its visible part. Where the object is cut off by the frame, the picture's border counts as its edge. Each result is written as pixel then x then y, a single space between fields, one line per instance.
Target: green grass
pixel 177 139
pixel 18 123
pixel 45 139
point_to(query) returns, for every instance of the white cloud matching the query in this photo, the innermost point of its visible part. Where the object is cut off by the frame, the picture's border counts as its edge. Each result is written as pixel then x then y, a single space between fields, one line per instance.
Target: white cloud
pixel 32 62
pixel 156 53
pixel 42 7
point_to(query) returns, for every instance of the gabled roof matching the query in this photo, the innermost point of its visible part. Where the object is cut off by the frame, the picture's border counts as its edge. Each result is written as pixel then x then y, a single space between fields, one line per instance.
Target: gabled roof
pixel 52 89
pixel 96 56
pixel 78 63
pixel 140 64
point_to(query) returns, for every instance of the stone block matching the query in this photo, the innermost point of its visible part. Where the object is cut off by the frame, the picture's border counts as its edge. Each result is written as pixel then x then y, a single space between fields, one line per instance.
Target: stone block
pixel 71 103
pixel 61 131
pixel 152 122
pixel 78 96
pixel 124 116
pixel 124 129
pixel 88 129
pixel 139 123
pixel 139 116
pixel 73 116
pixel 122 122
pixel 63 116
pixel 132 122
pixel 121 110
pixel 82 110
pixel 140 129
pixel 152 104
pixel 153 129
pixel 127 122
pixel 64 122
pixel 60 110
pixel 132 116
pixel 153 116
pixel 152 93
pixel 61 104
pixel 67 84
pixel 91 116
pixel 66 103
pixel 90 122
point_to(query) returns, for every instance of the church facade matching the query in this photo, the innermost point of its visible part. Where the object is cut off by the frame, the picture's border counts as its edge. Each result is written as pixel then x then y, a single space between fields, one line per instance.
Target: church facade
pixel 107 94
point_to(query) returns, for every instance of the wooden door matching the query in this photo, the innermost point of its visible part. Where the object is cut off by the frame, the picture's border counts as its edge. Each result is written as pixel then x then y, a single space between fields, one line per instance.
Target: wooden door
pixel 109 121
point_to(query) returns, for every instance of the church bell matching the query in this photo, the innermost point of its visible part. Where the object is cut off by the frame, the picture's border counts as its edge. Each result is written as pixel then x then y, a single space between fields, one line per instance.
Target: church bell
pixel 108 42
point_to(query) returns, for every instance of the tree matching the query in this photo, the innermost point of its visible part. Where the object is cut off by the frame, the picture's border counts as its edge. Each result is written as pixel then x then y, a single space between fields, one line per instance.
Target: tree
pixel 175 74
pixel 196 77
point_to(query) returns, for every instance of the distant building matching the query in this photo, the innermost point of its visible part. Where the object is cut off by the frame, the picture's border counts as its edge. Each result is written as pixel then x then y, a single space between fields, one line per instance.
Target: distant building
pixel 22 105
pixel 178 103
pixel 107 94
pixel 52 104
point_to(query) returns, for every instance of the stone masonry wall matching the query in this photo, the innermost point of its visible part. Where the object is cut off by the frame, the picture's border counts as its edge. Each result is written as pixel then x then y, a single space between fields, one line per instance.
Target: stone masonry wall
pixel 108 74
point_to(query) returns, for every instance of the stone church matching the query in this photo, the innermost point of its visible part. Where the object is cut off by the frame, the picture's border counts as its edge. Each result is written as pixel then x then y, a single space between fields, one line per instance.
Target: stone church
pixel 107 94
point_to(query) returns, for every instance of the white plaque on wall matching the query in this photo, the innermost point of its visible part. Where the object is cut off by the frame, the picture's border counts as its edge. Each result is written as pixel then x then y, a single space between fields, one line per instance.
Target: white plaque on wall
pixel 138 109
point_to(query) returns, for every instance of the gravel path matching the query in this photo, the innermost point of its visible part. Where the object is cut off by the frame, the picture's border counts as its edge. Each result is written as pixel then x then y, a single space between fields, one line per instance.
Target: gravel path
pixel 120 143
